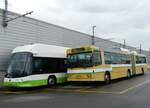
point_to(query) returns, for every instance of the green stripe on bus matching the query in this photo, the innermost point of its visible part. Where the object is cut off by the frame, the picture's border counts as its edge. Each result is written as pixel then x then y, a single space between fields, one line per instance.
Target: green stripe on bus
pixel 32 83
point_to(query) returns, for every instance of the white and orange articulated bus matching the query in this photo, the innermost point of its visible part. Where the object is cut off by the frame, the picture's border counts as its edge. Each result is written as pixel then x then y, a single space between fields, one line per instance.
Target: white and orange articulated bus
pixel 90 63
pixel 36 65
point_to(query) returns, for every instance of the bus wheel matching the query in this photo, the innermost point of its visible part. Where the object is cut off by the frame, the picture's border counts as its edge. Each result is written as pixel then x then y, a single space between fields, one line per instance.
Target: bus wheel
pixel 107 79
pixel 51 81
pixel 142 71
pixel 128 74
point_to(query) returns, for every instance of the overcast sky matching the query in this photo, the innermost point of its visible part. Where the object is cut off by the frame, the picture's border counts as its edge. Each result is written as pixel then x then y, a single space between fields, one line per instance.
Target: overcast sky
pixel 117 19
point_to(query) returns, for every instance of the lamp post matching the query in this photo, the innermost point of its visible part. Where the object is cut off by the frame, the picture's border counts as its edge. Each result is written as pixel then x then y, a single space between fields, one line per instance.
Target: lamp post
pixel 140 48
pixel 124 43
pixel 4 23
pixel 93 36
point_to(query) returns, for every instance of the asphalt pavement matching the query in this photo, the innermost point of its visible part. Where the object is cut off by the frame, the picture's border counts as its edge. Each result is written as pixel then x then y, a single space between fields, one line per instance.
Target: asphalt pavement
pixel 123 93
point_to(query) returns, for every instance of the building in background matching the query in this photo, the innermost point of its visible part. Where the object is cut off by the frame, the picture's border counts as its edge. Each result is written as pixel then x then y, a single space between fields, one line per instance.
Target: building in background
pixel 27 30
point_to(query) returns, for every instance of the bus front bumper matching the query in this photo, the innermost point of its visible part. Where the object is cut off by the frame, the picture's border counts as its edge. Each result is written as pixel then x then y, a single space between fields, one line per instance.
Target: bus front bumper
pixel 86 77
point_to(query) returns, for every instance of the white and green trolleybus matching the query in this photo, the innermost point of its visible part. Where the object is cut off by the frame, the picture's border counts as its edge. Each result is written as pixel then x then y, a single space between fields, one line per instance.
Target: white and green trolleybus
pixel 36 65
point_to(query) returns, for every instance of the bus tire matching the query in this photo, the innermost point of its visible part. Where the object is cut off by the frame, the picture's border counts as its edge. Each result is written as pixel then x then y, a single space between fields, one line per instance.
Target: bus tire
pixel 51 81
pixel 128 74
pixel 107 78
pixel 142 69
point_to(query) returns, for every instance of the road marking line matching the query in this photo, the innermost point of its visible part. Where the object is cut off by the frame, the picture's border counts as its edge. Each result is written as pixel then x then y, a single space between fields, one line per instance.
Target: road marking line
pixel 136 86
pixel 103 92
pixel 83 91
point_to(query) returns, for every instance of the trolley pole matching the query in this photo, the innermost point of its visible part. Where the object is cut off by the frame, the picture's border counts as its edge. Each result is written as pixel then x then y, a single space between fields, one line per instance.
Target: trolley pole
pixel 5 11
pixel 124 43
pixel 93 36
pixel 140 48
pixel 4 23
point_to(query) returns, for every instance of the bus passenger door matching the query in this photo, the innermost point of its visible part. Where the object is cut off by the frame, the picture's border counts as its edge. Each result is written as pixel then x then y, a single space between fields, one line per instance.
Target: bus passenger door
pixel 133 62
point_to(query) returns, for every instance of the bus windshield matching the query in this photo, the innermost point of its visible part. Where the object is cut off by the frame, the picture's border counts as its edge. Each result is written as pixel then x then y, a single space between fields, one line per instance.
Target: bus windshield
pixel 80 60
pixel 20 65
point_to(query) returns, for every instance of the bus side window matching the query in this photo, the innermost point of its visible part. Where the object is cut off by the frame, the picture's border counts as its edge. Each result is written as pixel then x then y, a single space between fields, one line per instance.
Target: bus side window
pixel 124 59
pixel 107 58
pixel 37 66
pixel 128 59
pixel 62 66
pixel 137 60
pixel 142 59
pixel 43 65
pixel 116 58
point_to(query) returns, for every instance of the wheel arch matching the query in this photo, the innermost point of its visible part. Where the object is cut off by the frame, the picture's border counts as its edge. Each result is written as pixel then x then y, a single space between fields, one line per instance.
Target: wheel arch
pixel 129 70
pixel 108 72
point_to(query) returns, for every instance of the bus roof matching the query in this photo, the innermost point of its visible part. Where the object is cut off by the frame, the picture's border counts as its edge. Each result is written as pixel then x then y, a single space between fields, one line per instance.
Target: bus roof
pixel 42 50
pixel 90 47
